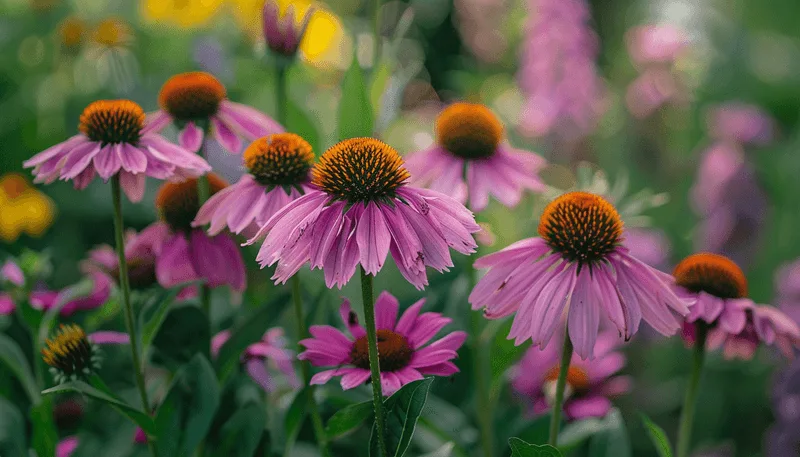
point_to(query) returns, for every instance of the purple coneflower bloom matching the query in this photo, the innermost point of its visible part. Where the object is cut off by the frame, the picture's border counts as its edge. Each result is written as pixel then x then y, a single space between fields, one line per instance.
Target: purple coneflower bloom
pixel 655 43
pixel 361 211
pixel 403 358
pixel 184 253
pixel 269 352
pixel 43 299
pixel 558 74
pixel 717 290
pixel 578 266
pixel 278 172
pixel 67 446
pixel 115 140
pixel 787 289
pixel 590 383
pixel 471 159
pixel 140 255
pixel 282 33
pixel 196 102
pixel 741 123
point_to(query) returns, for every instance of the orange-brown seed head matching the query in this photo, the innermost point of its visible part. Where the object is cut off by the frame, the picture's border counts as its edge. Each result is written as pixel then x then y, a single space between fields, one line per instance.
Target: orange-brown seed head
pixel 281 159
pixel 711 273
pixel 192 96
pixel 112 121
pixel 469 130
pixel 177 202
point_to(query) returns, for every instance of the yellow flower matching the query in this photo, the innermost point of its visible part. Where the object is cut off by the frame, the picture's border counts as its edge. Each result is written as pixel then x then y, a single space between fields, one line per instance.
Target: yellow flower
pixel 324 40
pixel 71 31
pixel 23 208
pixel 112 32
pixel 183 13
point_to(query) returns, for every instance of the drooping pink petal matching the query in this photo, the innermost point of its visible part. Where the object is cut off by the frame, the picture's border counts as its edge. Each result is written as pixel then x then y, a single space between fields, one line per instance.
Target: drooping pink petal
pixel 174 264
pixel 225 136
pixel 373 239
pixel 132 185
pixel 191 137
pixel 109 337
pixel 386 309
pixel 584 314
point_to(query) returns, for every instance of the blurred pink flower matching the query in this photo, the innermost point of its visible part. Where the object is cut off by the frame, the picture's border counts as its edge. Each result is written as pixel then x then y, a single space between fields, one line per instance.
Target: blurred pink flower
pixel 403 358
pixel 741 123
pixel 558 75
pixel 67 446
pixel 139 255
pixel 269 352
pixel 43 300
pixel 787 289
pixel 590 382
pixel 480 24
pixel 197 103
pixel 115 140
pixel 12 273
pixel 655 43
pixel 651 246
pixel 471 160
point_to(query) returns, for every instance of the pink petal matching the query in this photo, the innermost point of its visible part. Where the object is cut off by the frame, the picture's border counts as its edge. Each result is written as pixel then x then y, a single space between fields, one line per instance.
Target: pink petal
pixel 109 337
pixel 373 239
pixel 174 265
pixel 191 137
pixel 132 159
pixel 133 185
pixel 386 308
pixel 107 162
pixel 226 137
pixel 584 315
pixel 257 370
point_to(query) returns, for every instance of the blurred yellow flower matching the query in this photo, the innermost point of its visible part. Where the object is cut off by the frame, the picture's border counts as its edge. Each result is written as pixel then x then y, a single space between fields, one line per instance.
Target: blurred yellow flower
pixel 112 32
pixel 183 13
pixel 324 40
pixel 71 31
pixel 23 208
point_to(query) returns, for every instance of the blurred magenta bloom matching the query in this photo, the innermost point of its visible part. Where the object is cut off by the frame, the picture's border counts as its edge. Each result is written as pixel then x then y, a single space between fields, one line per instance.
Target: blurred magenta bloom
pixel 139 255
pixel 783 438
pixel 404 356
pixel 67 446
pixel 558 75
pixel 12 273
pixel 787 289
pixel 269 352
pixel 184 253
pixel 43 299
pixel 278 172
pixel 577 266
pixel 283 33
pixel 590 382
pixel 115 140
pixel 654 49
pixel 362 211
pixel 651 246
pixel 471 160
pixel 655 43
pixel 197 103
pixel 755 325
pixel 741 123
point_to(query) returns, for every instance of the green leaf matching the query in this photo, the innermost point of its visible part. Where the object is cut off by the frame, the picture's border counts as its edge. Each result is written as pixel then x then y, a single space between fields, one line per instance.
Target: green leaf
pixel 658 437
pixel 14 358
pixel 184 333
pixel 445 451
pixel 185 415
pixel 295 416
pixel 44 436
pixel 402 412
pixel 355 109
pixel 141 419
pixel 576 433
pixel 240 435
pixel 613 442
pixel 348 419
pixel 156 313
pixel 504 352
pixel 12 431
pixel 247 333
pixel 520 448
pixel 297 121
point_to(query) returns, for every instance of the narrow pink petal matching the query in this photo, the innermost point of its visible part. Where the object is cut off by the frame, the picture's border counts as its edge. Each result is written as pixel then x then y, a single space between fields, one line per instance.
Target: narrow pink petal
pixel 549 306
pixel 107 162
pixel 257 370
pixel 109 337
pixel 133 185
pixel 217 259
pixel 431 356
pixel 174 265
pixel 191 137
pixel 425 328
pixel 409 318
pixel 251 122
pixel 373 239
pixel 132 159
pixel 155 122
pixel 390 383
pixel 580 408
pixel 67 446
pixel 226 137
pixel 452 341
pixel 386 308
pixel 440 369
pixel 7 305
pixel 354 379
pixel 584 314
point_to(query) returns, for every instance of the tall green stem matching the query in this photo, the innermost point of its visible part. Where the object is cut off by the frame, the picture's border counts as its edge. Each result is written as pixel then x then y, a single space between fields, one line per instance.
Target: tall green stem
pixel 483 406
pixel 281 92
pixel 203 194
pixel 690 401
pixel 374 364
pixel 302 332
pixel 124 286
pixel 558 404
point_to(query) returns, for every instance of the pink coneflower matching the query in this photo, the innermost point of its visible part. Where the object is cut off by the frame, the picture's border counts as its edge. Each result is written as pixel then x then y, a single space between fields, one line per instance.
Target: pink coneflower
pixel 362 211
pixel 578 266
pixel 197 103
pixel 403 358
pixel 43 299
pixel 590 383
pixel 12 273
pixel 655 44
pixel 741 123
pixel 787 289
pixel 558 75
pixel 140 255
pixel 269 352
pixel 278 172
pixel 283 33
pixel 73 355
pixel 471 159
pixel 718 289
pixel 186 254
pixel 114 140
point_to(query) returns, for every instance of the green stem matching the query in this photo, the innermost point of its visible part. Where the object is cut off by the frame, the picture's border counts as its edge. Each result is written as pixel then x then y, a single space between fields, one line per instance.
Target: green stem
pixel 281 92
pixel 690 401
pixel 124 286
pixel 483 407
pixel 305 366
pixel 555 419
pixel 203 194
pixel 374 364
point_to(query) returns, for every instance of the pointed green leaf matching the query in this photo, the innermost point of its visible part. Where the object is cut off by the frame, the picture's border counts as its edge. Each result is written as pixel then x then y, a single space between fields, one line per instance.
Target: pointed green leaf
pixel 658 437
pixel 44 436
pixel 520 448
pixel 355 109
pixel 140 418
pixel 348 419
pixel 12 431
pixel 403 409
pixel 154 314
pixel 185 415
pixel 13 357
pixel 295 416
pixel 613 442
pixel 240 435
